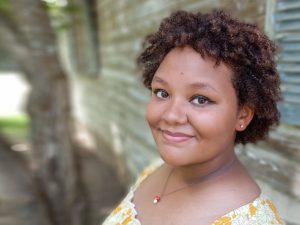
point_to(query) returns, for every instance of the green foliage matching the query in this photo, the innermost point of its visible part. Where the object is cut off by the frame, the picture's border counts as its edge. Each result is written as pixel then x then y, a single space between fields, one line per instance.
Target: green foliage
pixel 15 127
pixel 6 11
pixel 61 16
pixel 5 6
pixel 67 9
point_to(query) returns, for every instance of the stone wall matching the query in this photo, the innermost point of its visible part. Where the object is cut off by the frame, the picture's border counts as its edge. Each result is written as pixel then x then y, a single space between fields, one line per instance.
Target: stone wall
pixel 112 104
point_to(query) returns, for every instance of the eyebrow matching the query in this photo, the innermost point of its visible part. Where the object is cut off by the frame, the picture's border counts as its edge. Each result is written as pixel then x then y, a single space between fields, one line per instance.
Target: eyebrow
pixel 197 85
pixel 201 85
pixel 159 80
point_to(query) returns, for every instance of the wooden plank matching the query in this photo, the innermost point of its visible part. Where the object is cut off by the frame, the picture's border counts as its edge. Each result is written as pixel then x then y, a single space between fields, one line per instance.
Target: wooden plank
pixel 287 38
pixel 290 26
pixel 291 99
pixel 289 47
pixel 291 88
pixel 293 68
pixel 290 57
pixel 287 5
pixel 290 113
pixel 287 16
pixel 290 78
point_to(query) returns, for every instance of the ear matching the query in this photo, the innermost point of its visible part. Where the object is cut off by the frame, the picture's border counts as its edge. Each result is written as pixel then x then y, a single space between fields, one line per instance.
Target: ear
pixel 245 115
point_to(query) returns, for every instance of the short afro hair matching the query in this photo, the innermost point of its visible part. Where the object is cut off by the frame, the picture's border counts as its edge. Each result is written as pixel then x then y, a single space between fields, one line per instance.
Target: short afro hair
pixel 242 46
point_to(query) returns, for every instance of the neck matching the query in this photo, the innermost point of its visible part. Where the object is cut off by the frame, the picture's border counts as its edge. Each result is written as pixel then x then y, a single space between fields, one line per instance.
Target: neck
pixel 205 171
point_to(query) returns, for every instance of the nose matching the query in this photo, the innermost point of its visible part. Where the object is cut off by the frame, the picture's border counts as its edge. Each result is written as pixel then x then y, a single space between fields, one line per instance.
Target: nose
pixel 175 112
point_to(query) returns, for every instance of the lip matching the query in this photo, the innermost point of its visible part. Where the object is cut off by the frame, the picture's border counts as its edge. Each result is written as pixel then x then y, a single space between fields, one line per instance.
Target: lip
pixel 175 137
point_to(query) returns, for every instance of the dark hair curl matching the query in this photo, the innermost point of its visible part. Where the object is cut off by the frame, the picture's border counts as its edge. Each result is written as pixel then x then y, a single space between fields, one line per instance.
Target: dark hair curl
pixel 242 46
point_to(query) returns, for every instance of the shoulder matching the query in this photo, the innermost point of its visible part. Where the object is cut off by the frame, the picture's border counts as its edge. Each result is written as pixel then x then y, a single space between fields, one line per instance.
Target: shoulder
pixel 148 171
pixel 261 211
pixel 125 212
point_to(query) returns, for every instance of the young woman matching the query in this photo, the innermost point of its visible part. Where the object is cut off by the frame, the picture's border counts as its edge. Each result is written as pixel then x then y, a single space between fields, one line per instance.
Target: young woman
pixel 214 84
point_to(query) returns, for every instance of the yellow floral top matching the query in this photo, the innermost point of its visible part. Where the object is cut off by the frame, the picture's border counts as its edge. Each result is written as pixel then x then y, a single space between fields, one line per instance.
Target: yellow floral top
pixel 259 212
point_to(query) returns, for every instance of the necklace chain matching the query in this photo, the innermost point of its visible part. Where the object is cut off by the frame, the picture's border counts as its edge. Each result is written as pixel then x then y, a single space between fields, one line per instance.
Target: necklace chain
pixel 157 198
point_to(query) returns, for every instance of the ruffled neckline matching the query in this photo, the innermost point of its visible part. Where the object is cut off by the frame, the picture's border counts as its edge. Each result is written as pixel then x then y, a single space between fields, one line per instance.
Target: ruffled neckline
pixel 149 170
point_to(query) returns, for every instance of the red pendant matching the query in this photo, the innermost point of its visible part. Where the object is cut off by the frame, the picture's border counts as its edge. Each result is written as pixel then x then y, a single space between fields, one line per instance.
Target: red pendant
pixel 156 199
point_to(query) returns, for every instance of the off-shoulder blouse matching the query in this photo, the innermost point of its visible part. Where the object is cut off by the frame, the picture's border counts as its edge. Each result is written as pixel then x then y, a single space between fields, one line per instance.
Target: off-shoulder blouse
pixel 261 211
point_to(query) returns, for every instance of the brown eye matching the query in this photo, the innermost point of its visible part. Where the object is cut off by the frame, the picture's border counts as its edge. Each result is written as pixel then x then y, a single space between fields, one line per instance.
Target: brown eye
pixel 161 93
pixel 200 100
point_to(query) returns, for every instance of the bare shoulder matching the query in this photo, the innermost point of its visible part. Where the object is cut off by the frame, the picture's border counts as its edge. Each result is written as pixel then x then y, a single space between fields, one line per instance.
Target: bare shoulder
pixel 224 195
pixel 151 183
pixel 203 203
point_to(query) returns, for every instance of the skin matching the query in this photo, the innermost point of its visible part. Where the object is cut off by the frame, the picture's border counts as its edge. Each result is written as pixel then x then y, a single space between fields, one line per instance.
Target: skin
pixel 193 113
pixel 194 116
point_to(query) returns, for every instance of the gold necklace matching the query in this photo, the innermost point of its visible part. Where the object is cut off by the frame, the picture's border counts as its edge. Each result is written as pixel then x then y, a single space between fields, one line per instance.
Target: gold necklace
pixel 157 198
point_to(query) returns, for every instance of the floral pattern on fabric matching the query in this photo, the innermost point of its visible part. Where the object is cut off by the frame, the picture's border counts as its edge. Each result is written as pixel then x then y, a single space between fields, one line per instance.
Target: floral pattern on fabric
pixel 259 212
pixel 124 214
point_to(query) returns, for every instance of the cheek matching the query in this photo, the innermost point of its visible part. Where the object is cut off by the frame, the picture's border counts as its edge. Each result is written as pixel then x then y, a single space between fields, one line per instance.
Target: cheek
pixel 214 123
pixel 152 113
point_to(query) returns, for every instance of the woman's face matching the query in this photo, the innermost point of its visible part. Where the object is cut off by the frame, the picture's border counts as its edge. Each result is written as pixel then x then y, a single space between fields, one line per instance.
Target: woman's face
pixel 193 112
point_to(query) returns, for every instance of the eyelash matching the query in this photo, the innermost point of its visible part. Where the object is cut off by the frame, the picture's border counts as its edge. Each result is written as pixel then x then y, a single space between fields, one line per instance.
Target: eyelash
pixel 156 91
pixel 206 99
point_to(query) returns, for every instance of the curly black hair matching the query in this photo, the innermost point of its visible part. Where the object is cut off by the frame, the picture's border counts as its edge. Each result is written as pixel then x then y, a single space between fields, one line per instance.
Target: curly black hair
pixel 242 46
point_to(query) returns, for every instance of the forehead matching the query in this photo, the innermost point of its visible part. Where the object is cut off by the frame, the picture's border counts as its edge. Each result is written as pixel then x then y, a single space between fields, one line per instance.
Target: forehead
pixel 187 65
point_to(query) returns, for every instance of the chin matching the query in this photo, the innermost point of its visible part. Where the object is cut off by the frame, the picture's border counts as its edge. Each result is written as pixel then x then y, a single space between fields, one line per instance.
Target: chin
pixel 173 157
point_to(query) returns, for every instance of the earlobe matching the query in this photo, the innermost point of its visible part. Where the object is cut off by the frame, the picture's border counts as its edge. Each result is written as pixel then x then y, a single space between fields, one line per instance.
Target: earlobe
pixel 245 116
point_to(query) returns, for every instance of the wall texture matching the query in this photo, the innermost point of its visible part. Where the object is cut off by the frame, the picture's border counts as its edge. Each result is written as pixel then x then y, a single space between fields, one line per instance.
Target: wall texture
pixel 111 103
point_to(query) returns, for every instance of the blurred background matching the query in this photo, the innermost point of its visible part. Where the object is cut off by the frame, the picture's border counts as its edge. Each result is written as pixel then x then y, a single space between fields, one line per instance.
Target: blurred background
pixel 72 131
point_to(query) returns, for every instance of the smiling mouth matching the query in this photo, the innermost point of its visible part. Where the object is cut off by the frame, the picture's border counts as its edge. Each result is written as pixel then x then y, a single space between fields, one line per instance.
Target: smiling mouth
pixel 175 137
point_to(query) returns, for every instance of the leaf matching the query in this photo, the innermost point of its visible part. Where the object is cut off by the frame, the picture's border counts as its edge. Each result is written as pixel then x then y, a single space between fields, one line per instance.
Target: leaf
pixel 5 6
